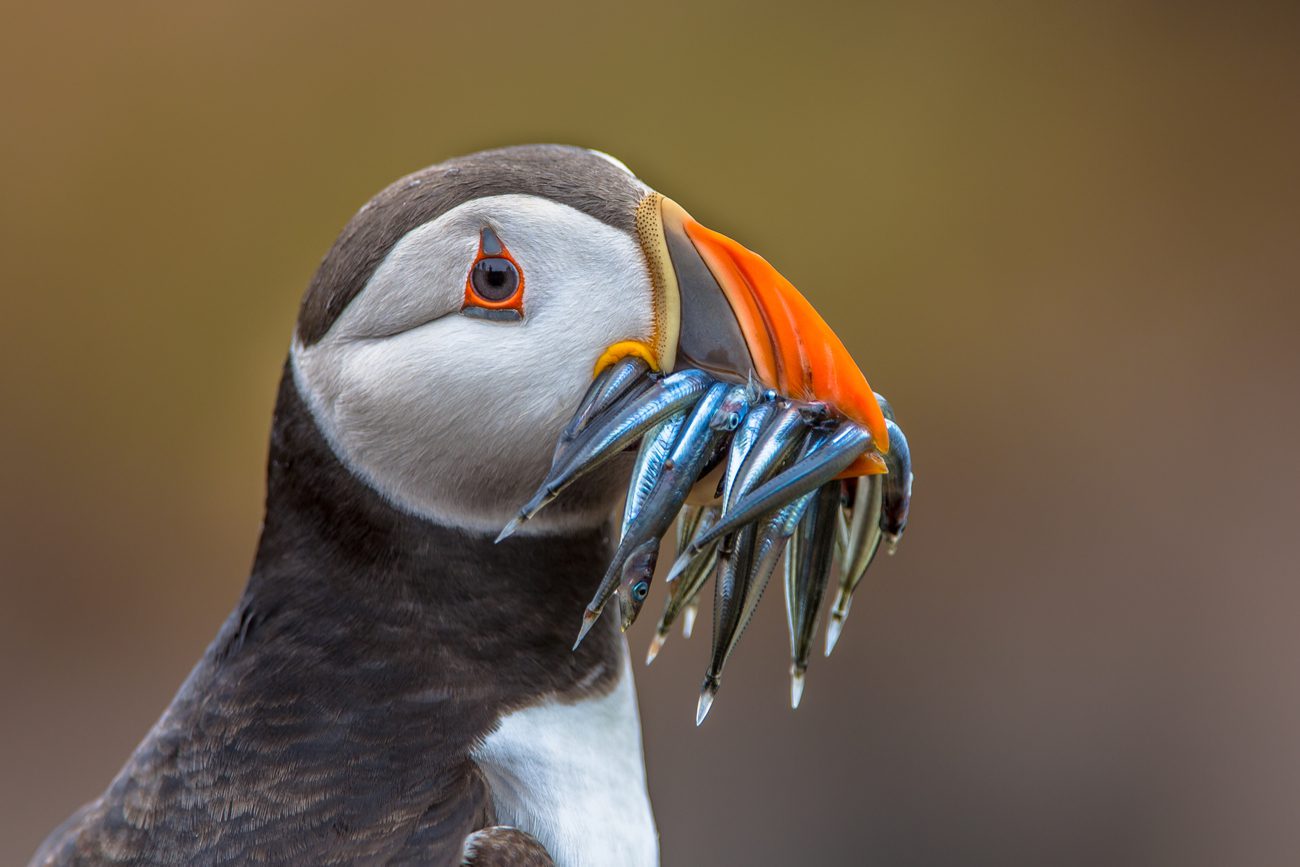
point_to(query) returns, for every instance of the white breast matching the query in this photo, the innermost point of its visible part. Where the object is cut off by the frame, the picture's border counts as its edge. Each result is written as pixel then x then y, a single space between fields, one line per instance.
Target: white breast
pixel 573 776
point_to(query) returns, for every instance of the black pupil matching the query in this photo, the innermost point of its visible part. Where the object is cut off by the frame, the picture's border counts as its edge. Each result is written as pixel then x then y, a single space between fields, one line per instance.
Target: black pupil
pixel 639 590
pixel 495 279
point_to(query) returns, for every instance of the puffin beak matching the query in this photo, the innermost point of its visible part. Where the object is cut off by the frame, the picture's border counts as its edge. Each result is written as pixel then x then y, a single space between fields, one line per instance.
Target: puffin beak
pixel 737 317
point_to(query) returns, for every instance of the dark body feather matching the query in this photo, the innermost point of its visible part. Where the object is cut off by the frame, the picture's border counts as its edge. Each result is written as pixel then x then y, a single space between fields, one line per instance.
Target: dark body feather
pixel 332 719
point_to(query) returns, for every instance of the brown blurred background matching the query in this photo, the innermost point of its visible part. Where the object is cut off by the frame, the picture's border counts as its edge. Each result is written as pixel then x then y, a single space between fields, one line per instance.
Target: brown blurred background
pixel 1064 239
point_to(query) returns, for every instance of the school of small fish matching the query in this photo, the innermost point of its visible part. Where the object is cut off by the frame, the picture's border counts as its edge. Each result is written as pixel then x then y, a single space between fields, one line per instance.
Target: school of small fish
pixel 777 497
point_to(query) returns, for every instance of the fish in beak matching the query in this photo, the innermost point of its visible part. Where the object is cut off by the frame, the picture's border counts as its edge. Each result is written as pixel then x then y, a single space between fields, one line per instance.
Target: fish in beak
pixel 745 403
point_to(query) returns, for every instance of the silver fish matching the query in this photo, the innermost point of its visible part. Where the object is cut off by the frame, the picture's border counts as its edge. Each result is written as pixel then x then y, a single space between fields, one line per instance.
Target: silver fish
pixel 742 442
pixel 683 599
pixel 613 431
pixel 897 495
pixel 735 593
pixel 773 534
pixel 862 540
pixel 616 387
pixel 735 552
pixel 688 522
pixel 656 445
pixel 690 450
pixel 637 572
pixel 744 576
pixel 734 409
pixel 693 448
pixel 609 386
pixel 863 534
pixel 776 441
pixel 765 439
pixel 734 609
pixel 808 569
pixel 843 447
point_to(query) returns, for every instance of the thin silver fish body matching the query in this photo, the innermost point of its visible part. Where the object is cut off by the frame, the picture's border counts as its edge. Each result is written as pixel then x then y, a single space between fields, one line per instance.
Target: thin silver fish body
pixel 627 421
pixel 688 521
pixel 685 592
pixel 776 441
pixel 734 555
pixel 742 579
pixel 679 464
pixel 897 494
pixel 768 435
pixel 769 538
pixel 742 442
pixel 691 449
pixel 656 445
pixel 699 568
pixel 863 532
pixel 619 383
pixel 608 386
pixel 833 457
pixel 615 430
pixel 808 571
pixel 734 592
pixel 769 545
pixel 861 543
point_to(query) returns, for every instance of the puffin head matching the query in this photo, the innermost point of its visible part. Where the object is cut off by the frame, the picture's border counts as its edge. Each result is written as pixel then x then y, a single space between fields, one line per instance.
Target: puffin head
pixel 462 312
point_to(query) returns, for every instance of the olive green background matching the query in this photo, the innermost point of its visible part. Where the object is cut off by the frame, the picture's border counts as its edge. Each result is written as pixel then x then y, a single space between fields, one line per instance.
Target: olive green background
pixel 1062 238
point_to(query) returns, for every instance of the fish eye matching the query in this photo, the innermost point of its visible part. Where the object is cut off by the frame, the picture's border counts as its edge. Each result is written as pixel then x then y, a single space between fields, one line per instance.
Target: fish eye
pixel 725 420
pixel 640 590
pixel 495 279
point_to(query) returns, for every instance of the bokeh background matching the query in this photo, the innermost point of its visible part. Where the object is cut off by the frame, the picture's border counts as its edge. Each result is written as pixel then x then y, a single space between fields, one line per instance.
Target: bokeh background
pixel 1063 238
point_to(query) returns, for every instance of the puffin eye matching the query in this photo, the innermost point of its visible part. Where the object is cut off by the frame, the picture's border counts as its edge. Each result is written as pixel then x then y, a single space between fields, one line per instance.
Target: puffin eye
pixel 494 287
pixel 494 279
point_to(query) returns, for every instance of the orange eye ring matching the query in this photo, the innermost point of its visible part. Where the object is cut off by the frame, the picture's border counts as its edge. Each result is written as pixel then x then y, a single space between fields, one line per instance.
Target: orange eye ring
pixel 494 286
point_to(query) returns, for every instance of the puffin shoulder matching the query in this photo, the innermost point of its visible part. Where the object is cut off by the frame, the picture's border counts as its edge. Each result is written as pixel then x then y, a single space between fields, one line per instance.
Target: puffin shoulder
pixel 503 846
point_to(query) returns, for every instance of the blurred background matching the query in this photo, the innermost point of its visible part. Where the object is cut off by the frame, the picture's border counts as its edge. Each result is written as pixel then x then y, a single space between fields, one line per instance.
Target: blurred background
pixel 1062 238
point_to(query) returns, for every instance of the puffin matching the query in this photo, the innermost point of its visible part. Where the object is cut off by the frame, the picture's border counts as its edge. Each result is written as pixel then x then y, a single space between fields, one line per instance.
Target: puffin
pixel 396 686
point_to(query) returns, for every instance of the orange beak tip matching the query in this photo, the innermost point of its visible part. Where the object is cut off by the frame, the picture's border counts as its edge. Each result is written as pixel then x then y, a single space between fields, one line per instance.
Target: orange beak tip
pixel 867 464
pixel 880 437
pixel 874 422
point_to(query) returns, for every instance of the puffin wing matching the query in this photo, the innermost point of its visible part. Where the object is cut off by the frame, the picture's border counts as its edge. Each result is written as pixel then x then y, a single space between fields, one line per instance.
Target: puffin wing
pixel 503 846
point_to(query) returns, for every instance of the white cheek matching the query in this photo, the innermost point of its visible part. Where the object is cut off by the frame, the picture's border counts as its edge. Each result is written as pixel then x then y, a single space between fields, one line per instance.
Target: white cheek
pixel 456 419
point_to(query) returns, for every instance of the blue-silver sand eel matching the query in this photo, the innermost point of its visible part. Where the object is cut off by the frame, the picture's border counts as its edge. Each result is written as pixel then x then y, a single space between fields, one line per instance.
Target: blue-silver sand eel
pixel 754 478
